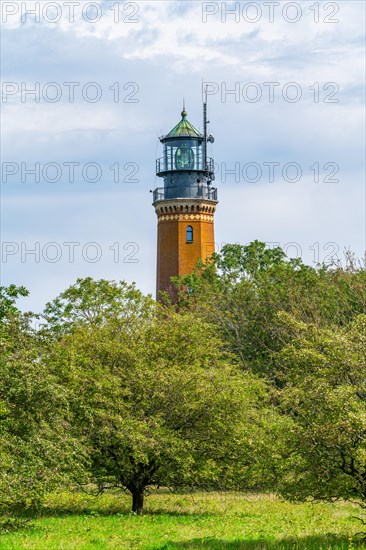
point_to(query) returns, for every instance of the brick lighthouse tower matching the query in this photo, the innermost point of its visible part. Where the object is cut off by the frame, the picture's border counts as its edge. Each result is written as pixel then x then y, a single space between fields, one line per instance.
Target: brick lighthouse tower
pixel 186 205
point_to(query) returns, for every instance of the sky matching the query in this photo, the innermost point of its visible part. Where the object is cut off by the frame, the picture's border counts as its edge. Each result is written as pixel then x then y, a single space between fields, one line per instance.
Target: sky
pixel 88 88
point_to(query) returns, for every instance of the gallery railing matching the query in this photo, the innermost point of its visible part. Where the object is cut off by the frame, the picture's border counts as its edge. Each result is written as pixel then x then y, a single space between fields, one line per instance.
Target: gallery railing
pixel 170 193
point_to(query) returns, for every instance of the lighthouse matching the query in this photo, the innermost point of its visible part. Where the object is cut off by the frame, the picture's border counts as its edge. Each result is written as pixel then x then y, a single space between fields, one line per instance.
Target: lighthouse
pixel 185 205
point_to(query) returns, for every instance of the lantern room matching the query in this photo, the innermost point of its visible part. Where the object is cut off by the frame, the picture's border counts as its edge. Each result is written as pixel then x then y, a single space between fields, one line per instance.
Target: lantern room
pixel 185 167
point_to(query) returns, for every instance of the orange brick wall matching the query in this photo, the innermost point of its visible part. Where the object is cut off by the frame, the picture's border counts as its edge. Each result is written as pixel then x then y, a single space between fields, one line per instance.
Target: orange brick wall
pixel 167 258
pixel 175 255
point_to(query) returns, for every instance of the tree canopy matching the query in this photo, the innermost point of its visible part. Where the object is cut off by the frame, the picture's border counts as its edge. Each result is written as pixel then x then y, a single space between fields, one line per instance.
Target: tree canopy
pixel 242 289
pixel 161 404
pixel 323 378
pixel 37 450
pixel 255 379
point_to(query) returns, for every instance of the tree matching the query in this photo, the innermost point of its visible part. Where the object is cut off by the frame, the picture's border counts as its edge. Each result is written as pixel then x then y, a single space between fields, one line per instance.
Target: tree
pixel 90 302
pixel 8 297
pixel 323 391
pixel 159 404
pixel 36 449
pixel 242 289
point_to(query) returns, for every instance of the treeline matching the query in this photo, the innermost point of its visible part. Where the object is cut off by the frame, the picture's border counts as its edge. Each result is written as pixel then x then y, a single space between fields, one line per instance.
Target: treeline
pixel 252 378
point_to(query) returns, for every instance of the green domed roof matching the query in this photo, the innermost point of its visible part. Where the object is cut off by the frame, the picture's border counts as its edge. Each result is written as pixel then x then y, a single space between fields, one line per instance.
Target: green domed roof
pixel 184 129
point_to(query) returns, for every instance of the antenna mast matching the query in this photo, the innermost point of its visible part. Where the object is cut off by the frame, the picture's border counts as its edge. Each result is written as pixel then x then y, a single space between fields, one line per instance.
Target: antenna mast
pixel 205 124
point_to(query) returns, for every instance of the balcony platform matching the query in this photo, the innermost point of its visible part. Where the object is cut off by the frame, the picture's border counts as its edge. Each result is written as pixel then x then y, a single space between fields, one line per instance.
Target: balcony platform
pixel 172 193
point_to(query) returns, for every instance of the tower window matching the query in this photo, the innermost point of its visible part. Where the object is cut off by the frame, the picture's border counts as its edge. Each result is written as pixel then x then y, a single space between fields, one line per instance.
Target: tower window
pixel 189 234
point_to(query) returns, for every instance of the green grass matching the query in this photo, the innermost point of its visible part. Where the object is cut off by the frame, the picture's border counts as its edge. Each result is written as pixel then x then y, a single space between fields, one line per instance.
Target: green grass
pixel 207 521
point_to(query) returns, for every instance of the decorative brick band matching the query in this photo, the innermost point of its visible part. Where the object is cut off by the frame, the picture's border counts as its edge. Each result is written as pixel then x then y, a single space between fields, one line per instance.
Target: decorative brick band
pixel 184 206
pixel 189 216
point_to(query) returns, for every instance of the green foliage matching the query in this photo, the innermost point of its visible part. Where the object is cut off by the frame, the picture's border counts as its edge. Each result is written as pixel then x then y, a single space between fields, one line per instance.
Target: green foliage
pixel 302 328
pixel 322 373
pixel 8 297
pixel 36 450
pixel 255 380
pixel 160 404
pixel 243 288
pixel 8 524
pixel 92 302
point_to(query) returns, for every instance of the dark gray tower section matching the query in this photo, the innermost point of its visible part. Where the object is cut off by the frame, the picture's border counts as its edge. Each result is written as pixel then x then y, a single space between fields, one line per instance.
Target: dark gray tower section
pixel 185 167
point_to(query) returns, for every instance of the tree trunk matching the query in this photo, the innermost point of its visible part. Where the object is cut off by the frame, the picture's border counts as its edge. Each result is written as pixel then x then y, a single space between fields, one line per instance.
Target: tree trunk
pixel 137 500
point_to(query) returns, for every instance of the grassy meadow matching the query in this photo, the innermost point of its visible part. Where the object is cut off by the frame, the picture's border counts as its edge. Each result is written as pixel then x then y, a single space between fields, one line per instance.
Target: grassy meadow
pixel 74 520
